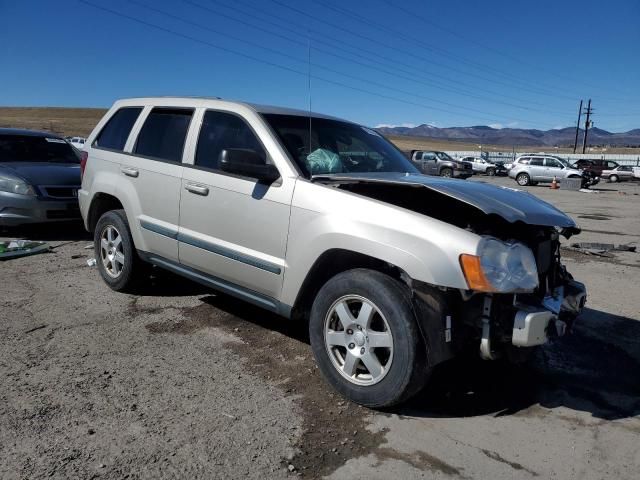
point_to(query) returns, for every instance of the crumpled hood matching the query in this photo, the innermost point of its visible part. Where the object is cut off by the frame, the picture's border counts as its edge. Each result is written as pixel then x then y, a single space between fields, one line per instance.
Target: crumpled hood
pixel 509 203
pixel 44 173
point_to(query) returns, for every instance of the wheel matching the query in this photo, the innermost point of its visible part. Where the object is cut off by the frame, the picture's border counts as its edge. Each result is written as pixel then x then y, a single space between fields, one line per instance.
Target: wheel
pixel 613 178
pixel 523 179
pixel 446 172
pixel 491 172
pixel 116 256
pixel 365 338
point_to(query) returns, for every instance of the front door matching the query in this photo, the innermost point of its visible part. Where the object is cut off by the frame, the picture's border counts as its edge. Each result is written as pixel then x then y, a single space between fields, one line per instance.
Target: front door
pixel 233 228
pixel 429 163
pixel 553 169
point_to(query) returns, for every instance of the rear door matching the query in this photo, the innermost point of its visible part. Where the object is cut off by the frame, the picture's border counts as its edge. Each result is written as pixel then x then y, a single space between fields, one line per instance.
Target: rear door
pixel 429 163
pixel 536 169
pixel 231 227
pixel 151 177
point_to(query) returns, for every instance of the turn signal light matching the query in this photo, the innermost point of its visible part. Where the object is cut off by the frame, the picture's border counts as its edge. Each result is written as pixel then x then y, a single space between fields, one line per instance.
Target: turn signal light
pixel 472 269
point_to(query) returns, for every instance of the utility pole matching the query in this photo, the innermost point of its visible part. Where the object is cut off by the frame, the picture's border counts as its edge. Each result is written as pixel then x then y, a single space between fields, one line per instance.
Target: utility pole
pixel 587 124
pixel 575 144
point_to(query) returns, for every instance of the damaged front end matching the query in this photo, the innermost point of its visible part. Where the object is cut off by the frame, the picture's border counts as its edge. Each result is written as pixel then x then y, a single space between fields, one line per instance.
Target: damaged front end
pixel 496 319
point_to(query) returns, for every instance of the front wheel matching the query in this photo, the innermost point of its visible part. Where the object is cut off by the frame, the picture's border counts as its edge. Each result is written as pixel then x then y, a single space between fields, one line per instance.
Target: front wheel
pixel 446 172
pixel 491 172
pixel 365 338
pixel 523 179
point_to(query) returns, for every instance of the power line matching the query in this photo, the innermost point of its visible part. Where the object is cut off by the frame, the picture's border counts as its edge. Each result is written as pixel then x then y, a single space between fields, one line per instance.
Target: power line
pixel 260 60
pixel 425 59
pixel 359 62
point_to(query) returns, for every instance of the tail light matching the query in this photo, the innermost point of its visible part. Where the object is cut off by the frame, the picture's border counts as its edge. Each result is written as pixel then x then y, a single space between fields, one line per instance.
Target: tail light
pixel 83 163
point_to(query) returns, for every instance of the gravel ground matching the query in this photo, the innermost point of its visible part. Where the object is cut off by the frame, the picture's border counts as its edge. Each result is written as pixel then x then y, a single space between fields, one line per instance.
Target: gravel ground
pixel 181 382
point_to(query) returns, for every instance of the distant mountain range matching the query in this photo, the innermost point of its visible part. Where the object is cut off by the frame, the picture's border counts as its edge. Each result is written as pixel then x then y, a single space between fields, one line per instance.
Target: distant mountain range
pixel 517 136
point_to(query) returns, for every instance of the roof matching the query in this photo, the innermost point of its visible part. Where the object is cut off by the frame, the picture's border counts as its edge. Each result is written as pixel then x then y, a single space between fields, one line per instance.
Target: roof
pixel 217 100
pixel 28 133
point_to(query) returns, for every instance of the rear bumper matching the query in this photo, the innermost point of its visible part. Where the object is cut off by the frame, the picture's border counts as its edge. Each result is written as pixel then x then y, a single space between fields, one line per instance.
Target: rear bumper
pixel 21 209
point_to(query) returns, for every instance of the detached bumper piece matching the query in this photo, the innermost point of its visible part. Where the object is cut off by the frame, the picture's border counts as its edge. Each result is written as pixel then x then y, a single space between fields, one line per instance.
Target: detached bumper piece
pixel 533 326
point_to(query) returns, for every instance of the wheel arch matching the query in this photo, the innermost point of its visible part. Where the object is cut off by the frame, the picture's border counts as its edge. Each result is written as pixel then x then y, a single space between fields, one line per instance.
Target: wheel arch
pixel 335 261
pixel 100 204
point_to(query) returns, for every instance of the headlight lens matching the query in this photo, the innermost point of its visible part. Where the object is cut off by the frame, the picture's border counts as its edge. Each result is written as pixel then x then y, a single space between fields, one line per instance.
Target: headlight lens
pixel 11 184
pixel 501 267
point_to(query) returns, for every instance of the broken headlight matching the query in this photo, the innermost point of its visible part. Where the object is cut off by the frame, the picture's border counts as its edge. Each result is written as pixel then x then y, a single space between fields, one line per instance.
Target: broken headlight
pixel 500 267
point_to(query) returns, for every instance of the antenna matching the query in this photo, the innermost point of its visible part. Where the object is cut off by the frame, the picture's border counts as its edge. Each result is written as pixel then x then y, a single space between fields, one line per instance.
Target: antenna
pixel 309 82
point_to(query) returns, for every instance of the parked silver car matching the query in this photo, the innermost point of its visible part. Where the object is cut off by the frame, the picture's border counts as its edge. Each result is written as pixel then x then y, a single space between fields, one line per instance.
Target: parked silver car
pixel 480 165
pixel 39 178
pixel 619 174
pixel 529 170
pixel 322 220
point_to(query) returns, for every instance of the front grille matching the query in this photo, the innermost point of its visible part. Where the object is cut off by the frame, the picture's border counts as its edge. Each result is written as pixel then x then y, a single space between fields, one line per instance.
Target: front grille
pixel 61 192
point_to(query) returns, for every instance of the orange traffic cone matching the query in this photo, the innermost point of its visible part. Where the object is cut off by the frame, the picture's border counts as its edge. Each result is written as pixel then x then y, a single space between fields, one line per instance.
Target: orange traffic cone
pixel 554 184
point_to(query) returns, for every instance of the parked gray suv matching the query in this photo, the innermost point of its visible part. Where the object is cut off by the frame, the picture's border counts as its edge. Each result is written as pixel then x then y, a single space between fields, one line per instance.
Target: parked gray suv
pixel 322 220
pixel 433 162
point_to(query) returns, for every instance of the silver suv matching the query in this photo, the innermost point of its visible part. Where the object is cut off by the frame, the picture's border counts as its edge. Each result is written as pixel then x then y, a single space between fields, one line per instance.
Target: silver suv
pixel 531 169
pixel 322 220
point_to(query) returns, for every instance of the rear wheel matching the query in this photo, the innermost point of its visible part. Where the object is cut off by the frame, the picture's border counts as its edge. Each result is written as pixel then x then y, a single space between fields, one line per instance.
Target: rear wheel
pixel 523 179
pixel 446 172
pixel 613 178
pixel 365 338
pixel 116 256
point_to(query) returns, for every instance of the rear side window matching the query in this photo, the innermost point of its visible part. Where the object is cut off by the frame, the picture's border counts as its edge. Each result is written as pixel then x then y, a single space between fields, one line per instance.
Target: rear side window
pixel 220 131
pixel 164 133
pixel 115 133
pixel 536 161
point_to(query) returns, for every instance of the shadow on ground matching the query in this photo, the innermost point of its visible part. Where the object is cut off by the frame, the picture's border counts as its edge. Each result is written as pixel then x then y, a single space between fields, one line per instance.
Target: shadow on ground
pixel 49 232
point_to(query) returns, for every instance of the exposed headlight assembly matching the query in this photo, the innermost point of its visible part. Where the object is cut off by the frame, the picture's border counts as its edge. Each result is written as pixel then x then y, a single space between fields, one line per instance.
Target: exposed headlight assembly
pixel 11 184
pixel 500 267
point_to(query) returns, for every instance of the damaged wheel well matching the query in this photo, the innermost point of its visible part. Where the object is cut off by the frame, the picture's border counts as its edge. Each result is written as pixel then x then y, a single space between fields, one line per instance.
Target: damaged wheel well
pixel 329 264
pixel 101 203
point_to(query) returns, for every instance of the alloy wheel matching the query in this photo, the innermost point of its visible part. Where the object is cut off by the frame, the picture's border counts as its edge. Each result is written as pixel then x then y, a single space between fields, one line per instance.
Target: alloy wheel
pixel 111 251
pixel 358 340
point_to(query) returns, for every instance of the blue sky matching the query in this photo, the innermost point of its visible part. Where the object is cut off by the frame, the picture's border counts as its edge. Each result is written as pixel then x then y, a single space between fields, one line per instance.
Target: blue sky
pixel 443 62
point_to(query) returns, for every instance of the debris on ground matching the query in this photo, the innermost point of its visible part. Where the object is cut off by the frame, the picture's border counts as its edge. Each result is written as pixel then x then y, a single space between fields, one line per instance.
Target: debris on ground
pixel 91 262
pixel 587 190
pixel 600 249
pixel 88 247
pixel 21 248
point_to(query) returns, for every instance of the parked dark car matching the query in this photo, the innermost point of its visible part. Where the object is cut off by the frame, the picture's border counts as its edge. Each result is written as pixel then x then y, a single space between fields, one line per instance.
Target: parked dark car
pixel 595 166
pixel 432 162
pixel 39 178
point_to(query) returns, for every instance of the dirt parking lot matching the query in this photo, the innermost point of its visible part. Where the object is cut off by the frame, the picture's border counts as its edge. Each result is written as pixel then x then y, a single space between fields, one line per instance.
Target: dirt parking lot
pixel 182 382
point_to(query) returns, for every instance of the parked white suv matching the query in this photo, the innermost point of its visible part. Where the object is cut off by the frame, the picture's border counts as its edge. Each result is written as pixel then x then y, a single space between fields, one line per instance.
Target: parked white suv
pixel 324 220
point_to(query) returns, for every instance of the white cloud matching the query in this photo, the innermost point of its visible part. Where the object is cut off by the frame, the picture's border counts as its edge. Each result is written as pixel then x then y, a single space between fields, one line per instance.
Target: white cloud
pixel 496 125
pixel 506 125
pixel 389 125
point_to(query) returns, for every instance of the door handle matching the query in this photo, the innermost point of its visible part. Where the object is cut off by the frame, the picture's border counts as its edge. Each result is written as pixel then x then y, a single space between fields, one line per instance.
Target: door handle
pixel 197 189
pixel 130 172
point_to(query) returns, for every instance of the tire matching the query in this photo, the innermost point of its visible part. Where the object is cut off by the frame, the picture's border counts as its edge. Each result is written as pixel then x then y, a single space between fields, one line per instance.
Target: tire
pixel 523 179
pixel 446 172
pixel 341 349
pixel 116 258
pixel 491 172
pixel 613 178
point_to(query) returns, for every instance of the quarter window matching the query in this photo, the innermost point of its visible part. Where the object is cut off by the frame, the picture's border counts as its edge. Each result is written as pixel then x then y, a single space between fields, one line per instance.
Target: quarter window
pixel 221 131
pixel 536 162
pixel 115 133
pixel 163 134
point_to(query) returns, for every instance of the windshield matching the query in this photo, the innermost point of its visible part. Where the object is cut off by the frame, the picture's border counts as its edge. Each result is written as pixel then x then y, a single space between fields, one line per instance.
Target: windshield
pixel 28 148
pixel 444 156
pixel 336 147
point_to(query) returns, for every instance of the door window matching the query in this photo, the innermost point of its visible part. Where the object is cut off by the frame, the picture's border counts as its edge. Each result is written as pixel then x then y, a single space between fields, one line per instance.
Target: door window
pixel 222 131
pixel 536 162
pixel 552 162
pixel 115 133
pixel 163 134
pixel 429 156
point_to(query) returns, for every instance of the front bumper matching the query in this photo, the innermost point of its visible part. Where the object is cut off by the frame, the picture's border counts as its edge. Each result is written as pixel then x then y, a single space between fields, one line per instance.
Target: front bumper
pixel 462 173
pixel 22 209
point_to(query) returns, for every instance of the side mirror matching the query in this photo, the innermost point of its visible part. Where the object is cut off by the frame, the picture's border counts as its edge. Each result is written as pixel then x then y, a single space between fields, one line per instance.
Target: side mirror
pixel 248 163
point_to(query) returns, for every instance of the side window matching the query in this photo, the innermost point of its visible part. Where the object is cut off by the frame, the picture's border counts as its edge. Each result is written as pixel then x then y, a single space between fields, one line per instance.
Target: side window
pixel 524 160
pixel 222 131
pixel 612 164
pixel 552 162
pixel 115 133
pixel 163 134
pixel 428 156
pixel 535 161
